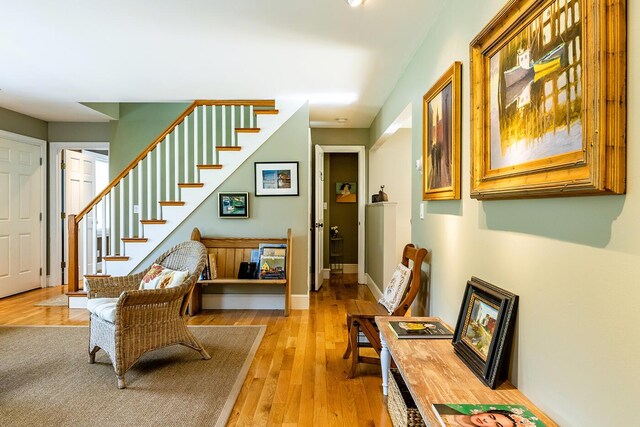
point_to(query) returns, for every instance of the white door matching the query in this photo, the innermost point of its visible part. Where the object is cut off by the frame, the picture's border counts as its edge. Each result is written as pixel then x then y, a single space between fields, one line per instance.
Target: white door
pixel 20 209
pixel 79 189
pixel 319 224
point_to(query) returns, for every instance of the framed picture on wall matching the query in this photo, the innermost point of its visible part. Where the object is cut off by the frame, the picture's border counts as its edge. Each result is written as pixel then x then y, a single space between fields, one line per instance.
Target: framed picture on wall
pixel 346 192
pixel 441 137
pixel 276 178
pixel 484 330
pixel 548 100
pixel 233 205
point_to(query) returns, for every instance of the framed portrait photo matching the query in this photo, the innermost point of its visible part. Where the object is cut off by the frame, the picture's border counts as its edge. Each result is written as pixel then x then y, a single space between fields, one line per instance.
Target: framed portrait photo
pixel 346 192
pixel 484 330
pixel 441 137
pixel 233 205
pixel 548 100
pixel 276 178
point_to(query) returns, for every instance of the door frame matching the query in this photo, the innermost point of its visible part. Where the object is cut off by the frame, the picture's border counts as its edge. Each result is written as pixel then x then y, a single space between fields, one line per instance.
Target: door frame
pixel 55 190
pixel 360 150
pixel 43 196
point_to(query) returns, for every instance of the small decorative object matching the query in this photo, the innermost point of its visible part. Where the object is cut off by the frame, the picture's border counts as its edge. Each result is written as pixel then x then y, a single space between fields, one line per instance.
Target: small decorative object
pixel 276 178
pixel 382 196
pixel 441 137
pixel 456 414
pixel 548 100
pixel 484 330
pixel 375 198
pixel 233 205
pixel 346 192
pixel 333 231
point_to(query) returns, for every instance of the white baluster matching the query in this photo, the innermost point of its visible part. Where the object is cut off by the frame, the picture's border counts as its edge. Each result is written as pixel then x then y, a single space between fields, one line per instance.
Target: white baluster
pixel 112 225
pixel 242 116
pixel 93 252
pixel 176 164
pixel 103 235
pixel 205 145
pixel 121 229
pixel 149 188
pixel 83 246
pixel 214 134
pixel 196 142
pixel 160 147
pixel 140 167
pixel 167 188
pixel 223 140
pixel 186 150
pixel 252 122
pixel 130 214
pixel 232 130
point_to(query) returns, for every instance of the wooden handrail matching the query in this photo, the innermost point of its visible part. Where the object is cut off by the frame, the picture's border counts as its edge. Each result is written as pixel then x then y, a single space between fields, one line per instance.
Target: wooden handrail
pixel 159 139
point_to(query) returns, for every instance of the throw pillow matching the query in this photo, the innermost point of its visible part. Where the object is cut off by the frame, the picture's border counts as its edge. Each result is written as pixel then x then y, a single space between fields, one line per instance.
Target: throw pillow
pixel 159 277
pixel 396 288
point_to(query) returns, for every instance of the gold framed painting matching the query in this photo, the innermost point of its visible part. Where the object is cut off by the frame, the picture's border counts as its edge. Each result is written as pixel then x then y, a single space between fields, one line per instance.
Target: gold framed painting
pixel 441 137
pixel 548 100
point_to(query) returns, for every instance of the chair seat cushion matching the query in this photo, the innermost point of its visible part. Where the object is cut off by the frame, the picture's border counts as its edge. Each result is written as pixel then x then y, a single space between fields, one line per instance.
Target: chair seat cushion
pixel 104 308
pixel 160 277
pixel 396 288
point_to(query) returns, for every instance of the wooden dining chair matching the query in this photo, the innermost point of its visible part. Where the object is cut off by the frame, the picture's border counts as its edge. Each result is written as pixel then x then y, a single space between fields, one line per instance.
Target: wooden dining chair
pixel 361 324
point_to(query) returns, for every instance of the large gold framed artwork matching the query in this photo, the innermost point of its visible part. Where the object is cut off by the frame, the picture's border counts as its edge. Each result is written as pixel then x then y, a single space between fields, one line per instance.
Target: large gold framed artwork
pixel 441 137
pixel 548 100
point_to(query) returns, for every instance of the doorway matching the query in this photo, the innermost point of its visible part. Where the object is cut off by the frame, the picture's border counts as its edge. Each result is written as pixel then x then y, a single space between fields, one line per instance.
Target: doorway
pixel 22 229
pixel 325 188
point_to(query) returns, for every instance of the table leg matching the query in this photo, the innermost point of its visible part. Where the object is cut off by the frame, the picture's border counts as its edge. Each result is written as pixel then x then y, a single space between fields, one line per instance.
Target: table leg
pixel 385 364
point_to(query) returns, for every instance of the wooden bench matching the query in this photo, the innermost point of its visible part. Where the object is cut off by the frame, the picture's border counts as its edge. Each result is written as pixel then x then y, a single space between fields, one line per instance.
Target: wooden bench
pixel 230 252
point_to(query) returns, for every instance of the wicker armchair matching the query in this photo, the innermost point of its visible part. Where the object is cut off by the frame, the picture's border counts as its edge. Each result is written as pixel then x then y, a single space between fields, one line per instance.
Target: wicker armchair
pixel 149 319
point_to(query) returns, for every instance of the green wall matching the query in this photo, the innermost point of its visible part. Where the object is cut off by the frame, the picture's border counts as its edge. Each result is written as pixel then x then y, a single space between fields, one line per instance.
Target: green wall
pixel 574 262
pixel 22 125
pixel 78 132
pixel 269 216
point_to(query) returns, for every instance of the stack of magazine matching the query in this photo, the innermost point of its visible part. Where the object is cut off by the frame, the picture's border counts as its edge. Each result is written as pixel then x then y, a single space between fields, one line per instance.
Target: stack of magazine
pixel 464 414
pixel 272 260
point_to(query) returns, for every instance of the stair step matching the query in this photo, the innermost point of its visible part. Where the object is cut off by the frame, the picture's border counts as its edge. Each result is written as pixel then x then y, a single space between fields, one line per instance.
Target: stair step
pixel 153 221
pixel 116 258
pixel 209 166
pixel 171 203
pixel 135 239
pixel 229 148
pixel 247 130
pixel 191 185
pixel 266 111
pixel 96 276
pixel 76 294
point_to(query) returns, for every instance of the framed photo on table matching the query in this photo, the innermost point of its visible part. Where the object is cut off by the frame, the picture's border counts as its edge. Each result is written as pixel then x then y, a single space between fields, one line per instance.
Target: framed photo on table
pixel 548 100
pixel 233 205
pixel 276 178
pixel 484 330
pixel 441 137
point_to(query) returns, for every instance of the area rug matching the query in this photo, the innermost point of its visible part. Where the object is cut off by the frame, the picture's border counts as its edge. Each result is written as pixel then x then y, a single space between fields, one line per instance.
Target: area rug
pixel 57 301
pixel 45 379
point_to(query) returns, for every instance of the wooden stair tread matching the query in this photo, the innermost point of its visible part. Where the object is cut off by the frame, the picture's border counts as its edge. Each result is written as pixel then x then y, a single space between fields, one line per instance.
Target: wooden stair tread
pixel 209 166
pixel 229 148
pixel 266 111
pixel 247 130
pixel 116 258
pixel 171 203
pixel 135 239
pixel 191 185
pixel 96 276
pixel 153 221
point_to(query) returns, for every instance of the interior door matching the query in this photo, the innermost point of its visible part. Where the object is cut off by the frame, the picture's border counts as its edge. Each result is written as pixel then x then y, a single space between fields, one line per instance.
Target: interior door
pixel 20 209
pixel 319 224
pixel 79 189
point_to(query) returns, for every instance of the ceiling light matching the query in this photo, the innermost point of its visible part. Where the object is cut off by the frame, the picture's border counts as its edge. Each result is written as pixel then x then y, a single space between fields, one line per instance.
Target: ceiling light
pixel 354 3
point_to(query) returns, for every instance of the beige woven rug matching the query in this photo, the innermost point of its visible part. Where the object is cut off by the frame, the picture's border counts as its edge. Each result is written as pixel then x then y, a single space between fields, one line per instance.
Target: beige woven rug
pixel 45 379
pixel 57 301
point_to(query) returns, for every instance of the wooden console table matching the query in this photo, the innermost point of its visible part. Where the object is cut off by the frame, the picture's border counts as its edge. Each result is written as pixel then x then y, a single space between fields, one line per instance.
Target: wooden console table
pixel 435 374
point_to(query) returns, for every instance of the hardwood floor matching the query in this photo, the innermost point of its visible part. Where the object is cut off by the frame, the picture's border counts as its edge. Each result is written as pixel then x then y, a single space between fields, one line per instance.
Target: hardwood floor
pixel 298 377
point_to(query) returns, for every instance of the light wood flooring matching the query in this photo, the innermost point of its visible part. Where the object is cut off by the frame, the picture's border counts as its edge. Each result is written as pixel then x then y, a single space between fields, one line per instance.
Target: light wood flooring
pixel 298 377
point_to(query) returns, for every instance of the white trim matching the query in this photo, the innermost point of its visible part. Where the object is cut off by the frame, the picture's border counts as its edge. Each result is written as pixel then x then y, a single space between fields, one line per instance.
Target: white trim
pixel 362 196
pixel 373 288
pixel 300 302
pixel 346 269
pixel 310 282
pixel 55 203
pixel 43 195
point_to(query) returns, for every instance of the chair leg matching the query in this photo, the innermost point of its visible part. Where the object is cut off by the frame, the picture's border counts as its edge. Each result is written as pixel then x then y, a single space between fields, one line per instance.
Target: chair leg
pixel 204 354
pixel 347 352
pixel 121 383
pixel 92 355
pixel 353 343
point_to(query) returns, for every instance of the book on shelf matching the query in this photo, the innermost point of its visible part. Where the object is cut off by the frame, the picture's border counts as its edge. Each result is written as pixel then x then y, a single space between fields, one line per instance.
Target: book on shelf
pixel 272 260
pixel 423 329
pixel 464 414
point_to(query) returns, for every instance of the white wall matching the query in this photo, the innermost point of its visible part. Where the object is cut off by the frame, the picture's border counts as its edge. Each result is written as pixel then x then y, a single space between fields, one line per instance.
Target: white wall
pixel 574 262
pixel 390 165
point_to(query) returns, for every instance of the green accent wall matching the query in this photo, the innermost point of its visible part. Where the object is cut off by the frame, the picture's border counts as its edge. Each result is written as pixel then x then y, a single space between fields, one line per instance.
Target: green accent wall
pixel 78 132
pixel 573 261
pixel 22 124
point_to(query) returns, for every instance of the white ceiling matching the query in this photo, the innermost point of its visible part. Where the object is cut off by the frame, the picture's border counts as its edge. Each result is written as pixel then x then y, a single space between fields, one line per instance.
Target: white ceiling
pixel 345 61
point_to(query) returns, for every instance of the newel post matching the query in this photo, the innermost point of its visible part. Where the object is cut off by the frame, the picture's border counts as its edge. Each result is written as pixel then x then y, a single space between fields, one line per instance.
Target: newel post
pixel 73 254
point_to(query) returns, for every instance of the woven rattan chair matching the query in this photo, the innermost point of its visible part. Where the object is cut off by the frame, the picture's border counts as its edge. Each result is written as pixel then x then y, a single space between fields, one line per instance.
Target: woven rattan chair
pixel 148 319
pixel 361 323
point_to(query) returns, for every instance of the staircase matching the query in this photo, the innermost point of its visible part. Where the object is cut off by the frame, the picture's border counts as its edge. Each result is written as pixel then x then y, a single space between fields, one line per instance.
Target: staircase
pixel 165 183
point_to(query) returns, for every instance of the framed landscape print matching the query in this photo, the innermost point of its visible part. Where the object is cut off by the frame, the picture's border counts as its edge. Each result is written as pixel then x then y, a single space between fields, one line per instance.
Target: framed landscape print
pixel 484 330
pixel 233 205
pixel 441 137
pixel 548 100
pixel 276 178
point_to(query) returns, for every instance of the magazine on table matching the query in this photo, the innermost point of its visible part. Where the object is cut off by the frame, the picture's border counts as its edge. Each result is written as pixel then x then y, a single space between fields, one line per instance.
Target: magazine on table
pixel 465 414
pixel 423 329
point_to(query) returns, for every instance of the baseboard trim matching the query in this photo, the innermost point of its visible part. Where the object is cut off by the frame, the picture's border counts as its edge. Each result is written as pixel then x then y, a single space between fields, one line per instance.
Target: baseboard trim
pixel 346 268
pixel 252 302
pixel 373 287
pixel 77 302
pixel 300 302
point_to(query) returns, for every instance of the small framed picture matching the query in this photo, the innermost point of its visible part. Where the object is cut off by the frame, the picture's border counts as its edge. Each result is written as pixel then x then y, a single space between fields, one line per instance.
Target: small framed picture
pixel 345 192
pixel 276 178
pixel 484 330
pixel 233 205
